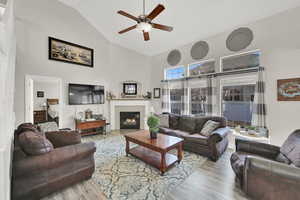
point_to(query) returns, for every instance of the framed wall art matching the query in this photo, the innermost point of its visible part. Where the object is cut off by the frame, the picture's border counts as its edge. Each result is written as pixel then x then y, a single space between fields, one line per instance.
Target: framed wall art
pixel 288 89
pixel 63 51
pixel 130 89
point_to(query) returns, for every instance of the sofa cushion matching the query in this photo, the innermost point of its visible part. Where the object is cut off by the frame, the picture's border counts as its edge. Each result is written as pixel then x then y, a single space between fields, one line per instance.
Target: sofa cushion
pixel 291 148
pixel 63 138
pixel 196 138
pixel 34 143
pixel 165 130
pixel 209 127
pixel 163 120
pixel 179 133
pixel 187 124
pixel 174 121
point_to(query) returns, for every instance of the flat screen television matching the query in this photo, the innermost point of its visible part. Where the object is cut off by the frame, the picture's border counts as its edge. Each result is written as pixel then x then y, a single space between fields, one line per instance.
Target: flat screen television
pixel 80 94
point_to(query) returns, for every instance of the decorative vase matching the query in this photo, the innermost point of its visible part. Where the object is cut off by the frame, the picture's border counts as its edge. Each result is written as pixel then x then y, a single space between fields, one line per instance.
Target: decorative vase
pixel 153 135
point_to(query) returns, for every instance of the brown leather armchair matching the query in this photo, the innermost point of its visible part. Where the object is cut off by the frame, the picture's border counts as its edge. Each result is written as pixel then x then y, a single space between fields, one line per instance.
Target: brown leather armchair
pixel 70 162
pixel 266 171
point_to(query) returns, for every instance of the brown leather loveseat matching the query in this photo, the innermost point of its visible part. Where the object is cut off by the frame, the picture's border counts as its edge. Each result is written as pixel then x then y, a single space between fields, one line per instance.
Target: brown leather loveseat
pixel 44 163
pixel 189 127
pixel 268 172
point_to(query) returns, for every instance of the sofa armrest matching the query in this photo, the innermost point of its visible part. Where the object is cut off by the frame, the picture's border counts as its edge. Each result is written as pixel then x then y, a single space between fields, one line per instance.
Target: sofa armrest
pixel 63 138
pixel 261 149
pixel 262 177
pixel 219 134
pixel 34 164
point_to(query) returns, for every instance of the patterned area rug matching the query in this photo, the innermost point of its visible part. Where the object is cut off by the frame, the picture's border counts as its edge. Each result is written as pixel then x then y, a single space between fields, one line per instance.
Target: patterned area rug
pixel 121 177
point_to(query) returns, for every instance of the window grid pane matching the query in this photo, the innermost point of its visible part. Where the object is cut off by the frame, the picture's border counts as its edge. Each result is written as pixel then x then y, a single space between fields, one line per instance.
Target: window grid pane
pixel 237 104
pixel 198 101
pixel 244 61
pixel 176 96
pixel 202 68
pixel 175 73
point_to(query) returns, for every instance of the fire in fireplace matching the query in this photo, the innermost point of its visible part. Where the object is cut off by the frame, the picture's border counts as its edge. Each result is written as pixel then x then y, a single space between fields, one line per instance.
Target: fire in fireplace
pixel 129 120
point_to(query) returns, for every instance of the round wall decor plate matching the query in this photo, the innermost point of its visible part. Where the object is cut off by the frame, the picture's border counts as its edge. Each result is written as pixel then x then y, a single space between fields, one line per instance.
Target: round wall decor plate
pixel 199 50
pixel 239 39
pixel 174 57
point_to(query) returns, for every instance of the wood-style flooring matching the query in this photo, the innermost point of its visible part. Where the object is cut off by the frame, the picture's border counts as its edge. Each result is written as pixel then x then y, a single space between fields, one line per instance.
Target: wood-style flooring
pixel 213 181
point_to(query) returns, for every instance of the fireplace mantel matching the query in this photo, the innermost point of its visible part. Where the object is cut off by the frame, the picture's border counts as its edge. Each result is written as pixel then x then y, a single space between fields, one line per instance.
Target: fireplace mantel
pixel 129 105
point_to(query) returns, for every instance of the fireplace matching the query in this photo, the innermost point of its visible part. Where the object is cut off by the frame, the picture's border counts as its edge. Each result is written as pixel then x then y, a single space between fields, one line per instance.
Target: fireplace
pixel 130 120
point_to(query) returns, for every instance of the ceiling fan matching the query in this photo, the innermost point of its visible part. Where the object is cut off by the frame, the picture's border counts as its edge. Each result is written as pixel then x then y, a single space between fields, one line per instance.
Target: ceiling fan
pixel 144 22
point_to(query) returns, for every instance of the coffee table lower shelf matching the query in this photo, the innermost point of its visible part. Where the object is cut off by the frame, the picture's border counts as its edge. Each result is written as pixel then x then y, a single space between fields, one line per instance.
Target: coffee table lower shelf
pixel 154 158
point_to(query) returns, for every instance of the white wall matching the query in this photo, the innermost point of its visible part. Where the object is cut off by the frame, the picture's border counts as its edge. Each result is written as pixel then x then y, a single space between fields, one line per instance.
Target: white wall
pixel 7 116
pixel 278 39
pixel 38 19
pixel 50 89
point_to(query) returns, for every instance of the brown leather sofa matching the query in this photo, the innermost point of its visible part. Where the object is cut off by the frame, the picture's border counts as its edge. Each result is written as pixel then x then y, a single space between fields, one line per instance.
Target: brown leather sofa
pixel 266 171
pixel 36 176
pixel 189 127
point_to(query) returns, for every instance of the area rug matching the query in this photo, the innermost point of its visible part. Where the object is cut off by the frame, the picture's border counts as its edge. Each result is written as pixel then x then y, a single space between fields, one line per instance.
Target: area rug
pixel 120 177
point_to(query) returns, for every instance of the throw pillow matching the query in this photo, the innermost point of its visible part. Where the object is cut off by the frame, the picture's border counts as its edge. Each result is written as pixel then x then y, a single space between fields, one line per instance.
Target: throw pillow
pixel 283 159
pixel 34 143
pixel 26 127
pixel 163 120
pixel 209 127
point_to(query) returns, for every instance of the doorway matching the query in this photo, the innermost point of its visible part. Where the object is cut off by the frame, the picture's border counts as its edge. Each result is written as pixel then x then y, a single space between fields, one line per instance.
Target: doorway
pixel 43 99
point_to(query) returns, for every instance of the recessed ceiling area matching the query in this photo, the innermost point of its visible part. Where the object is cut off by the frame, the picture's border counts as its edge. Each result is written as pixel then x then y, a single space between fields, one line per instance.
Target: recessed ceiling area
pixel 193 20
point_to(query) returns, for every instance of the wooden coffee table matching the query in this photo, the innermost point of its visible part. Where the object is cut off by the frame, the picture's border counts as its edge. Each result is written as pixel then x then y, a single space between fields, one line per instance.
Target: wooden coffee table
pixel 154 151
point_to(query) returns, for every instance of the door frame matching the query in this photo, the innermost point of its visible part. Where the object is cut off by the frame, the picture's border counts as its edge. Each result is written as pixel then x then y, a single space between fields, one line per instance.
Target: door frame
pixel 29 83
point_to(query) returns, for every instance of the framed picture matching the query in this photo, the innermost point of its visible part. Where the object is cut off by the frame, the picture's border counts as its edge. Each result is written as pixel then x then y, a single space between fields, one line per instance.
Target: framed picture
pixel 63 51
pixel 156 93
pixel 130 89
pixel 40 94
pixel 288 89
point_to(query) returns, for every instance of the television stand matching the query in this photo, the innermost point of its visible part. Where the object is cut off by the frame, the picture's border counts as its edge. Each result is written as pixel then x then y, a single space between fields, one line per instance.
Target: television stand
pixel 90 127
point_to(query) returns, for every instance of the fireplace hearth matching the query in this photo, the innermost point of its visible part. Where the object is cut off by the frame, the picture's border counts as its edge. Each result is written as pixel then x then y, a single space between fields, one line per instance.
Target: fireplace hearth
pixel 130 120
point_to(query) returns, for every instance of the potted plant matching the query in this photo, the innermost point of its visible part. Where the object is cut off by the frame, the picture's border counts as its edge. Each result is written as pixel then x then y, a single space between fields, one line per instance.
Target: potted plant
pixel 153 123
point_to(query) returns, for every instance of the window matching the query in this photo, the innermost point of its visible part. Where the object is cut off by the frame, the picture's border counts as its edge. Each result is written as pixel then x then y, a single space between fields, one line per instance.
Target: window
pixel 204 67
pixel 237 104
pixel 175 73
pixel 198 101
pixel 241 61
pixel 176 99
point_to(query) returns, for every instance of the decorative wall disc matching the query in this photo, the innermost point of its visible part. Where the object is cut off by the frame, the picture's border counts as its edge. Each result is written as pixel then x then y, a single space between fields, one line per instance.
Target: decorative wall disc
pixel 239 39
pixel 199 50
pixel 174 57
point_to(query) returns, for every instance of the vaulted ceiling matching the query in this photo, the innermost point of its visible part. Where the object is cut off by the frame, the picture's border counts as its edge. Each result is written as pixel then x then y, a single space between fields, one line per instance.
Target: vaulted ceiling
pixel 192 19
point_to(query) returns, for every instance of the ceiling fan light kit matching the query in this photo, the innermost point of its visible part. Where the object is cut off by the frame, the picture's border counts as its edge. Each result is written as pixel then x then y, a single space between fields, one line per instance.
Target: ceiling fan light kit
pixel 144 22
pixel 144 27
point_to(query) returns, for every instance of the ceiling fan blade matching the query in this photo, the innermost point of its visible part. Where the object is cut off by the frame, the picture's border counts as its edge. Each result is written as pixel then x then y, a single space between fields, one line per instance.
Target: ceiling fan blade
pixel 156 11
pixel 128 29
pixel 121 12
pixel 162 27
pixel 146 36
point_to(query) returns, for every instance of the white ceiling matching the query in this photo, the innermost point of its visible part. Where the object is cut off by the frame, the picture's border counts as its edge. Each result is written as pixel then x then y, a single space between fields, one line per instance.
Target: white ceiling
pixel 192 19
